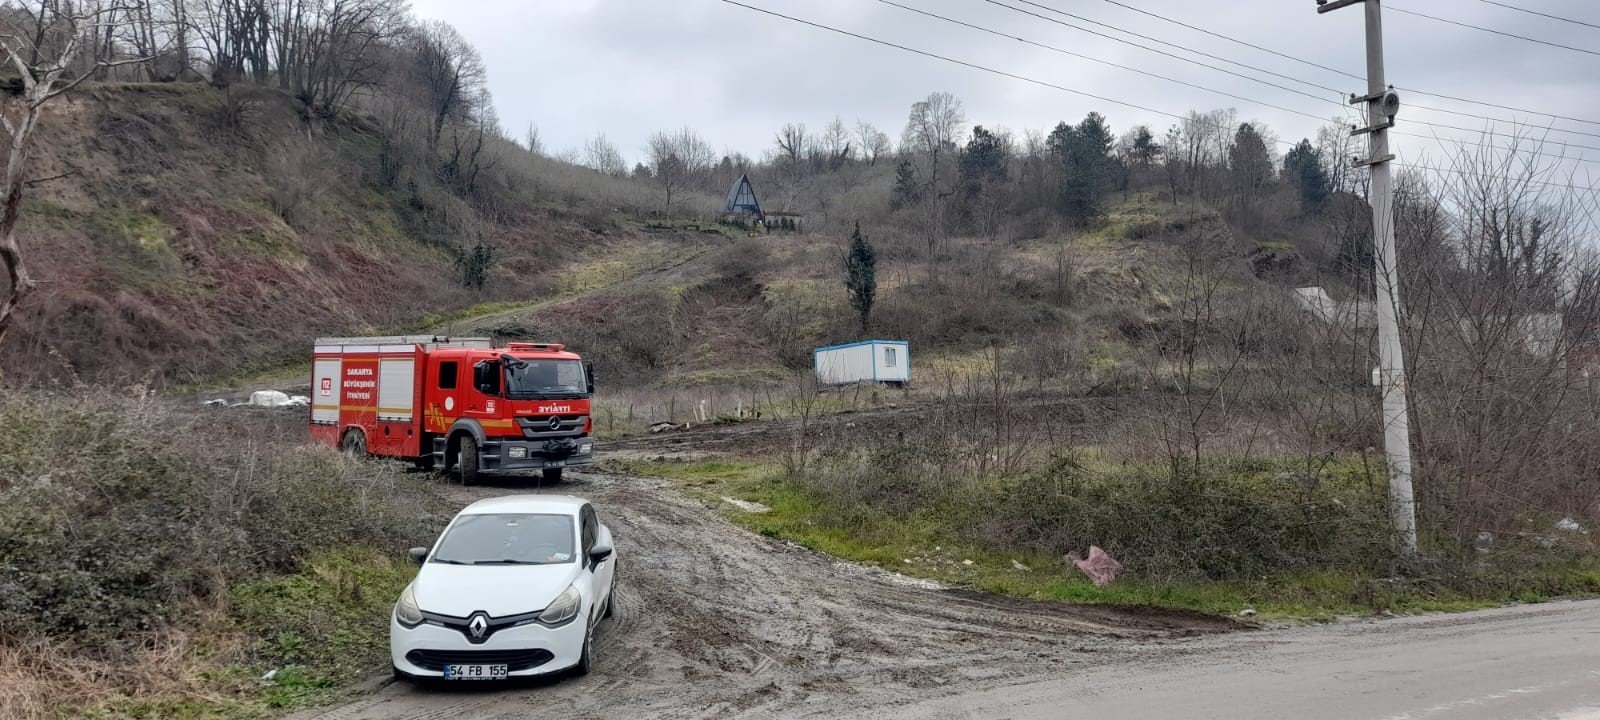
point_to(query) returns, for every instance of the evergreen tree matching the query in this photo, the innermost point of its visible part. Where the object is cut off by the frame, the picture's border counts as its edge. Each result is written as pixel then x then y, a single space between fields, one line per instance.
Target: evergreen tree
pixel 1303 168
pixel 1083 158
pixel 905 191
pixel 474 265
pixel 861 275
pixel 983 160
pixel 1249 162
pixel 1144 149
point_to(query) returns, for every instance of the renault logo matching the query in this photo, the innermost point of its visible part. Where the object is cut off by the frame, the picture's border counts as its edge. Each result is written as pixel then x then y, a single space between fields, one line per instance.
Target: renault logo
pixel 555 423
pixel 478 625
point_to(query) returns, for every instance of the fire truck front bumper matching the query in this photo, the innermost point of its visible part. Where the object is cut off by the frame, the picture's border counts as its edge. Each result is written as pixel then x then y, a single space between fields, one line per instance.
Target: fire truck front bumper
pixel 536 454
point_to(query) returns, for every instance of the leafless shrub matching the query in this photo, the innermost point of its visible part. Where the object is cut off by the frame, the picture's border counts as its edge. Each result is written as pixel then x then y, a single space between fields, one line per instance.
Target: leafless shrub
pixel 1500 311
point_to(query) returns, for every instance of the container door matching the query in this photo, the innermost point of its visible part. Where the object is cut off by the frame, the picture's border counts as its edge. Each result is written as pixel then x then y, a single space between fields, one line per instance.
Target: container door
pixel 325 386
pixel 397 388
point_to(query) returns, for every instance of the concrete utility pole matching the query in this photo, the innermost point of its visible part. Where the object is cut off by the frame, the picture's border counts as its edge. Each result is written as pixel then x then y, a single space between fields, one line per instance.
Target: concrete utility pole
pixel 1390 376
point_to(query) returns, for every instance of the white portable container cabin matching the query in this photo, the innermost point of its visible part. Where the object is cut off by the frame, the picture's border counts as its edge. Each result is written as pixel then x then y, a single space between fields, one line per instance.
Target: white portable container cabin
pixel 885 361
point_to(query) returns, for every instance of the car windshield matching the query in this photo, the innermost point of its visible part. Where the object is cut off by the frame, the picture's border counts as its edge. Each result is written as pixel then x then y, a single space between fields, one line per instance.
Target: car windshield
pixel 507 539
pixel 530 379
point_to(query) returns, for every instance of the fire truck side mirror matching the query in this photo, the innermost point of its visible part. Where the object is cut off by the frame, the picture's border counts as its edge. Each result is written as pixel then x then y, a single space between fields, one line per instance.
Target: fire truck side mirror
pixel 484 377
pixel 588 372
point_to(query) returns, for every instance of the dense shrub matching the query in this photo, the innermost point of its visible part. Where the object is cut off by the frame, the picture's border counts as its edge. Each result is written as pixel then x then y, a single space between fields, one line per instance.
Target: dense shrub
pixel 1237 522
pixel 1233 523
pixel 117 515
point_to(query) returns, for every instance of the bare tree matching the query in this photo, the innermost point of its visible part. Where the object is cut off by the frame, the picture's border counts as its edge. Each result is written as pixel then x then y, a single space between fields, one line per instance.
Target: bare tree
pixel 932 130
pixel 534 144
pixel 603 155
pixel 448 72
pixel 931 133
pixel 871 142
pixel 468 140
pixel 1337 147
pixel 793 144
pixel 1499 313
pixel 53 46
pixel 677 159
pixel 835 144
pixel 327 50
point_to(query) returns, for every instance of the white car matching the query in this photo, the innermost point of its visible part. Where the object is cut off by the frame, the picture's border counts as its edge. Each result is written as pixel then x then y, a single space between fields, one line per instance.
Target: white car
pixel 513 587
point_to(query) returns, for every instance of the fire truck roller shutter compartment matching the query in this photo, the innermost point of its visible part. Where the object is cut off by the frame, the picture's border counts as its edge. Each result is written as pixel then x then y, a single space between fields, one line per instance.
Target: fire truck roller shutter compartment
pixel 396 388
pixel 325 391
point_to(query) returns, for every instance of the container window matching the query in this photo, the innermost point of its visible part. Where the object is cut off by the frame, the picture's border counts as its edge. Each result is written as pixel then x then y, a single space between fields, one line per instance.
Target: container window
pixel 447 375
pixel 888 357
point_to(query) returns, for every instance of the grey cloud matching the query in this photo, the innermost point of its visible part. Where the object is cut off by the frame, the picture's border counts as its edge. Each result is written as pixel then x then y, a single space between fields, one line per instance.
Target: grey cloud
pixel 629 67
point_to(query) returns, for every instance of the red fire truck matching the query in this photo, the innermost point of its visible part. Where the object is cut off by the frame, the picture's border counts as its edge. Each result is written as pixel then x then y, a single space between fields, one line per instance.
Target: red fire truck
pixel 454 403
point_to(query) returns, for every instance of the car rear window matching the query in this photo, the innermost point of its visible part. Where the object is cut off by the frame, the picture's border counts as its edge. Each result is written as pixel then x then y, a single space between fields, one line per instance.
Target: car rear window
pixel 507 539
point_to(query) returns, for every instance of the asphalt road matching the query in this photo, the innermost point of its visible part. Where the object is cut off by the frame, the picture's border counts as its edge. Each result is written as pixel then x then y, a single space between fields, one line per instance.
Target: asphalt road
pixel 1536 661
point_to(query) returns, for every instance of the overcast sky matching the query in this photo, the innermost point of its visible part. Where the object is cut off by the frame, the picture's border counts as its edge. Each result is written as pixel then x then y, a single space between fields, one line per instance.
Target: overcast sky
pixel 629 67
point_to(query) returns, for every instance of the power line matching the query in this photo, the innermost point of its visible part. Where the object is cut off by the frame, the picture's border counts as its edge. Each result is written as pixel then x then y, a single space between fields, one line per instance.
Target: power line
pixel 1351 75
pixel 1494 119
pixel 1501 107
pixel 962 63
pixel 1198 86
pixel 1071 90
pixel 1491 30
pixel 1214 34
pixel 1540 14
pixel 1233 62
pixel 1264 71
pixel 1091 58
pixel 1318 98
pixel 1480 132
pixel 1539 183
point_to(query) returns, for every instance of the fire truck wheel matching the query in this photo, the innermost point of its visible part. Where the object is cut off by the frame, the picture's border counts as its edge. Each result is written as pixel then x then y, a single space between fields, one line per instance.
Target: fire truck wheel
pixel 552 475
pixel 354 443
pixel 467 460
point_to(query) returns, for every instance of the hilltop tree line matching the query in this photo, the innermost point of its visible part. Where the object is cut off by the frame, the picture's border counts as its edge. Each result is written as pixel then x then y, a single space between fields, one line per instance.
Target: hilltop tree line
pixel 972 179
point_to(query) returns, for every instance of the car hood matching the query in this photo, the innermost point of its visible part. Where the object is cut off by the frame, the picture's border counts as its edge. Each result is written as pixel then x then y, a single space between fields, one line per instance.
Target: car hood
pixel 499 590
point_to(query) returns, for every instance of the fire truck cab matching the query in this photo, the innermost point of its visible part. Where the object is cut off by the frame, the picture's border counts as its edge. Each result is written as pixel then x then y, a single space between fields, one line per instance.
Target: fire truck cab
pixel 454 403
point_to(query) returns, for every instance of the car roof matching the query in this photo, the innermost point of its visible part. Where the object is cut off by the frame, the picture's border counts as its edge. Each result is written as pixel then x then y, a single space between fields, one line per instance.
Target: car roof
pixel 549 504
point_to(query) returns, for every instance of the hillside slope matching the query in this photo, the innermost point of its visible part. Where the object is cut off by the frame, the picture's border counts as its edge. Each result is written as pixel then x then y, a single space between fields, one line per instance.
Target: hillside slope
pixel 179 246
pixel 192 236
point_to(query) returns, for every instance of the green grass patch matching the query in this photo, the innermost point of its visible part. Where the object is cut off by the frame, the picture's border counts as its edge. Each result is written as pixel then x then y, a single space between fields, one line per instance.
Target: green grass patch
pixel 322 627
pixel 927 545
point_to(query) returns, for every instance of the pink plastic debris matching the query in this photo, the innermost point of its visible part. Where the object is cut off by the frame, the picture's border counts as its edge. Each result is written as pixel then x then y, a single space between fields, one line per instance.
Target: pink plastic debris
pixel 1101 568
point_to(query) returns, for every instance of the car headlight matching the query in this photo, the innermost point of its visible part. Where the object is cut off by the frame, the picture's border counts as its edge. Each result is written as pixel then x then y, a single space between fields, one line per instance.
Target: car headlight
pixel 585 448
pixel 564 609
pixel 406 610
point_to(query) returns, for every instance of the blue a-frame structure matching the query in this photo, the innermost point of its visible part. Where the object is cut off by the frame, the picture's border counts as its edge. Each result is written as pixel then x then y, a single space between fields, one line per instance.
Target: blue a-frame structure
pixel 742 199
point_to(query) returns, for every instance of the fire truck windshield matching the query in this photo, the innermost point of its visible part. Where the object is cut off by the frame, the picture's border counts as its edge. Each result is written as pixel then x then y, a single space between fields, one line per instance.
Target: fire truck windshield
pixel 544 379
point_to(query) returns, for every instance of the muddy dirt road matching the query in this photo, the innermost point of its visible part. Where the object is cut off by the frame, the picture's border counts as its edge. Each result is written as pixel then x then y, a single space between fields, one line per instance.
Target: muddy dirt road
pixel 714 621
pixel 717 622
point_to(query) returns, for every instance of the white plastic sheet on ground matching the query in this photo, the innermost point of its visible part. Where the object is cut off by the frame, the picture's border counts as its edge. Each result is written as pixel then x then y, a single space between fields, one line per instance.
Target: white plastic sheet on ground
pixel 276 399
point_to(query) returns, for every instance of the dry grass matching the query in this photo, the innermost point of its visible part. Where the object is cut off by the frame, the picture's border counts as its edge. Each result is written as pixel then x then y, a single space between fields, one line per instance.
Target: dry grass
pixel 121 548
pixel 46 680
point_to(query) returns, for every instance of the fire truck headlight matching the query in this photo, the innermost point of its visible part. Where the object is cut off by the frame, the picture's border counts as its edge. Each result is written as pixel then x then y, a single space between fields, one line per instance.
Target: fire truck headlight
pixel 517 451
pixel 585 448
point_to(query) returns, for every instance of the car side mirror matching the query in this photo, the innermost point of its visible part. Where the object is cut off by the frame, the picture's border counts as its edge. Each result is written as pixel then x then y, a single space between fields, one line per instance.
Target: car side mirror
pixel 602 548
pixel 588 373
pixel 600 552
pixel 418 555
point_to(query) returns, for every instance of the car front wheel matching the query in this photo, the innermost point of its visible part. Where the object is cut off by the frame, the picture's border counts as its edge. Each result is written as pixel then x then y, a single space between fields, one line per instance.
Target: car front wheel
pixel 586 659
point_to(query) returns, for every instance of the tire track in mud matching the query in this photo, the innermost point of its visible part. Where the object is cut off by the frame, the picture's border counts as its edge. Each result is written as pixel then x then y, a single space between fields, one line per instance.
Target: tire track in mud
pixel 714 621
